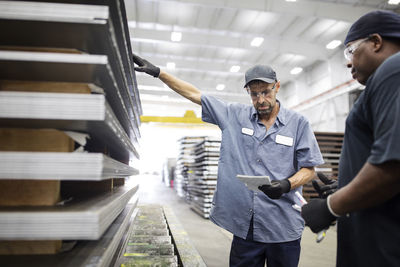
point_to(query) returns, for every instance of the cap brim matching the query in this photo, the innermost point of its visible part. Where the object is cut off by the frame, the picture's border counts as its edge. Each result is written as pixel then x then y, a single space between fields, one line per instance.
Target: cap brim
pixel 267 80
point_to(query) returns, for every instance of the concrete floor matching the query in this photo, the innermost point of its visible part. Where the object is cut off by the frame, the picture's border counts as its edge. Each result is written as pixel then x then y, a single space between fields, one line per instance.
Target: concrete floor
pixel 212 242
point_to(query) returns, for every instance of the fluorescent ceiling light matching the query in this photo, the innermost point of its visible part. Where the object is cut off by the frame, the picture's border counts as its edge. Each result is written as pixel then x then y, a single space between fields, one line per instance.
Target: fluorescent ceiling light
pixel 220 87
pixel 176 36
pixel 333 44
pixel 171 65
pixel 257 41
pixel 235 68
pixel 393 2
pixel 291 0
pixel 296 70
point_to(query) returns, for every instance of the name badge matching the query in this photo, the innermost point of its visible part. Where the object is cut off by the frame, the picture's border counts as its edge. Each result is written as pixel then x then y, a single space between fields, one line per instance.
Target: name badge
pixel 284 140
pixel 247 131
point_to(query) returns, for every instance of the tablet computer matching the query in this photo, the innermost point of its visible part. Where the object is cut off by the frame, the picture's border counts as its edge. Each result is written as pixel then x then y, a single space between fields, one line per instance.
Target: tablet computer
pixel 253 182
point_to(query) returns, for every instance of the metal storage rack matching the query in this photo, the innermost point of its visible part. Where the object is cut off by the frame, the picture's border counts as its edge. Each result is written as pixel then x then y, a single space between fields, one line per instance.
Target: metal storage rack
pixel 70 42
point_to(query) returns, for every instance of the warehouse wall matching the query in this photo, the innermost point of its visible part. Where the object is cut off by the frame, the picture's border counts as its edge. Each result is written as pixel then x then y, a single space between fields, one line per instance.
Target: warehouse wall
pixel 159 141
pixel 317 82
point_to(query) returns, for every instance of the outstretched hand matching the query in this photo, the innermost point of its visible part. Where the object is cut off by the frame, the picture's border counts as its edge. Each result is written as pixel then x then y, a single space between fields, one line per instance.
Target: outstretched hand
pixel 145 66
pixel 316 215
pixel 329 187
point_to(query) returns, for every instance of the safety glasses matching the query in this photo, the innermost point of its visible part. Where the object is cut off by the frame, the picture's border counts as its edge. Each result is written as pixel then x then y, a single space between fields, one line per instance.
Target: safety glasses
pixel 349 51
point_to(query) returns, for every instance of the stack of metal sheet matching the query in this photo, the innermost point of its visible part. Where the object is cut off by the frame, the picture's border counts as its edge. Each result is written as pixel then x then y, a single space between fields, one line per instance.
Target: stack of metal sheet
pixel 99 253
pixel 149 242
pixel 203 175
pixel 80 219
pixel 184 159
pixel 330 145
pixel 64 166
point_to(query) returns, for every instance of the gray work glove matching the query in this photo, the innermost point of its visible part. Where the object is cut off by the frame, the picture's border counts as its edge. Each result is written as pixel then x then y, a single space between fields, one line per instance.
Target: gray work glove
pixel 276 189
pixel 329 187
pixel 145 66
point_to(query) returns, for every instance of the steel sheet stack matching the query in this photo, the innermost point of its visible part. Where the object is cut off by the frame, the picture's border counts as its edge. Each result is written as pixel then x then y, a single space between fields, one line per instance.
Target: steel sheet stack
pixel 330 145
pixel 184 159
pixel 203 175
pixel 149 242
pixel 69 125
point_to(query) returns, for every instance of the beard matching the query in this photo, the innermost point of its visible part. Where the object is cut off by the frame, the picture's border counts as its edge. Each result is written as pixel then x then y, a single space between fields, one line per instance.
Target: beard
pixel 266 111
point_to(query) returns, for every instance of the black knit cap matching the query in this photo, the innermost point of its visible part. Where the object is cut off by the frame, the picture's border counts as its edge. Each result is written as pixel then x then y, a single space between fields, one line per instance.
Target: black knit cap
pixel 385 23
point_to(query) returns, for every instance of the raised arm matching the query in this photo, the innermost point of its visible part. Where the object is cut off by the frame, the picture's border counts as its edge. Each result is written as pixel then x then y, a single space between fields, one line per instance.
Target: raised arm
pixel 183 88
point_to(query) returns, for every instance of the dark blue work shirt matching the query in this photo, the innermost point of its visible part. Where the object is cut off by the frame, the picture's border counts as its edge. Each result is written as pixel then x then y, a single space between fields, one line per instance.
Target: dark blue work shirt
pixel 247 148
pixel 371 237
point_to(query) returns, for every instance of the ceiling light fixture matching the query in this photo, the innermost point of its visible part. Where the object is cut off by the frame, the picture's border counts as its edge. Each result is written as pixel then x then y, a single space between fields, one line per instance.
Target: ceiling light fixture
pixel 333 44
pixel 296 70
pixel 176 36
pixel 220 87
pixel 257 41
pixel 393 2
pixel 235 68
pixel 171 65
pixel 291 0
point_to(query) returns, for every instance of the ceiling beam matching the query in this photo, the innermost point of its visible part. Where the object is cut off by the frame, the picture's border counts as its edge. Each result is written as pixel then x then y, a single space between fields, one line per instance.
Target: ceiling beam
pixel 272 44
pixel 337 11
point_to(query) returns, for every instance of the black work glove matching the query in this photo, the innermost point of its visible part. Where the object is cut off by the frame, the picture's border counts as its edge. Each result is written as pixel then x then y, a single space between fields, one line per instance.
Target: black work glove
pixel 317 215
pixel 145 66
pixel 276 188
pixel 327 189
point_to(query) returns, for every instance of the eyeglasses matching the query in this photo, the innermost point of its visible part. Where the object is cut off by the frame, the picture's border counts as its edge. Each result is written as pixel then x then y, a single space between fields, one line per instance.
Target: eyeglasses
pixel 349 51
pixel 265 93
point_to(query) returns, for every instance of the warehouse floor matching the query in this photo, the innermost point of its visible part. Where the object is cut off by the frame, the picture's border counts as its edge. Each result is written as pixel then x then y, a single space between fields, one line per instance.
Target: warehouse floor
pixel 212 242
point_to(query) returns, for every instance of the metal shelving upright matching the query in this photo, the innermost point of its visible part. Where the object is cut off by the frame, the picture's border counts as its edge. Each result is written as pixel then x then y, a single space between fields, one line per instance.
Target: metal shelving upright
pixel 70 43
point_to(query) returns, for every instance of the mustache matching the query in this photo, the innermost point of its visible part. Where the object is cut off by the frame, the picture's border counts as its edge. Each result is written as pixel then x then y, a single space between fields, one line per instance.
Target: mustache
pixel 263 105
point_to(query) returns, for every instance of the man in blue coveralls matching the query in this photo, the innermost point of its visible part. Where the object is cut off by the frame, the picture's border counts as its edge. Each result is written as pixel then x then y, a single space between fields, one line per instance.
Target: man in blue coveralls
pixel 367 205
pixel 263 139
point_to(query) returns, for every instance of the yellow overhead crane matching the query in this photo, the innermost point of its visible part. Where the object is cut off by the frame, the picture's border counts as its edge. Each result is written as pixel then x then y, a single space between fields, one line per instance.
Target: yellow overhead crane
pixel 189 117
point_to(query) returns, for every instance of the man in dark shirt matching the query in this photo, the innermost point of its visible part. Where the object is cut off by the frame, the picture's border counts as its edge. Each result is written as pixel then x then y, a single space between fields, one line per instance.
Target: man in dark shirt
pixel 367 204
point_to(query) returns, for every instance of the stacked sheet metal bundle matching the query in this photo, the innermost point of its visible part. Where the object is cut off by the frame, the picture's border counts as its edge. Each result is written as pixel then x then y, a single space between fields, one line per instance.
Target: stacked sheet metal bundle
pixel 149 242
pixel 330 145
pixel 85 253
pixel 66 69
pixel 203 175
pixel 184 159
pixel 81 219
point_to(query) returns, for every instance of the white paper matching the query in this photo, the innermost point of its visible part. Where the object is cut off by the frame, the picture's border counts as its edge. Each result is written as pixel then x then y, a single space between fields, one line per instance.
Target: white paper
pixel 253 182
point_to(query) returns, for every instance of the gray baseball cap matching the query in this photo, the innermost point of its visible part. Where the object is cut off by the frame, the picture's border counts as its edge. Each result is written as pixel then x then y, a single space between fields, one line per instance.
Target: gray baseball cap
pixel 260 72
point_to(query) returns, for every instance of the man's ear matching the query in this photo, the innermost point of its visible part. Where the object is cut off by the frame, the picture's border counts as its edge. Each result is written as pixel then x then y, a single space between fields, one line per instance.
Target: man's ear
pixel 277 86
pixel 377 41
